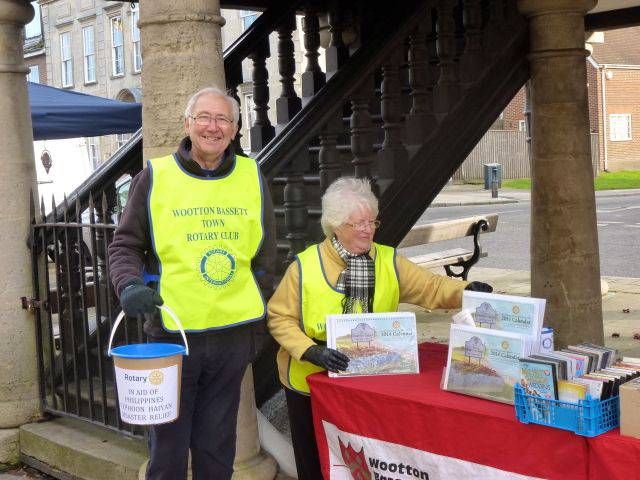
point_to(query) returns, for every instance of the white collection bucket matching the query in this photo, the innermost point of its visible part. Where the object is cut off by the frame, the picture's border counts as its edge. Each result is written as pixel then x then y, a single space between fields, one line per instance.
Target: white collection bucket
pixel 148 377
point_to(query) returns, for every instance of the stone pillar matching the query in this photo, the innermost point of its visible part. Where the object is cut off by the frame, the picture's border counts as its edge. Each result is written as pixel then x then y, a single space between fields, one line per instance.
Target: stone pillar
pixel 182 53
pixel 19 402
pixel 565 267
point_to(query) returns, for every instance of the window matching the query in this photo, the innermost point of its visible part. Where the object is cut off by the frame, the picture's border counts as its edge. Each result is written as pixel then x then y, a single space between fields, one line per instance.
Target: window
pixel 66 60
pixel 122 194
pixel 122 138
pixel 522 125
pixel 248 17
pixel 135 35
pixel 620 127
pixel 34 27
pixel 34 74
pixel 249 115
pixel 88 45
pixel 248 111
pixel 93 149
pixel 117 45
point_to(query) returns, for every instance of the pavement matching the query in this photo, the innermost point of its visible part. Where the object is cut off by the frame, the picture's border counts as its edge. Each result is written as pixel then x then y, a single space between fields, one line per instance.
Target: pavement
pixel 455 195
pixel 620 299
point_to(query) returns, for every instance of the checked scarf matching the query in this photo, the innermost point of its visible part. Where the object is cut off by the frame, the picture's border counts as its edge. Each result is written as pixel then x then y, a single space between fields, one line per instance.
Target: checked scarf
pixel 357 280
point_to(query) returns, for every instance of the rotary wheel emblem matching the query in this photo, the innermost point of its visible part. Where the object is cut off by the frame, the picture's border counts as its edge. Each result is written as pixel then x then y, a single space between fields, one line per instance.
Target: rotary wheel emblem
pixel 156 377
pixel 217 267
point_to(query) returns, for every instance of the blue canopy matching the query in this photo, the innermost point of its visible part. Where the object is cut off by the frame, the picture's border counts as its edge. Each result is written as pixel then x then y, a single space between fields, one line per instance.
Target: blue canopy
pixel 57 113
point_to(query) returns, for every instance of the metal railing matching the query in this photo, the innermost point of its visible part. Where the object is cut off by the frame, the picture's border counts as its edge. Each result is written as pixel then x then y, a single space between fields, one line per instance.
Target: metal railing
pixel 75 307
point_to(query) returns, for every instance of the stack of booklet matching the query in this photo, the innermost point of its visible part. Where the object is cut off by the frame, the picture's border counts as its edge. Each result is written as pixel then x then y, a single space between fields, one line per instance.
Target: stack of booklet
pixel 483 360
pixel 578 371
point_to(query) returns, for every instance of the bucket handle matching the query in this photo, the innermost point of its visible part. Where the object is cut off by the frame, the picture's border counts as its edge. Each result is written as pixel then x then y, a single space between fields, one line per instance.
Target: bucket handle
pixel 161 307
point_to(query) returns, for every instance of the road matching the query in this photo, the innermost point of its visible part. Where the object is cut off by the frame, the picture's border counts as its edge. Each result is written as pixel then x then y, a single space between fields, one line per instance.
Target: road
pixel 508 247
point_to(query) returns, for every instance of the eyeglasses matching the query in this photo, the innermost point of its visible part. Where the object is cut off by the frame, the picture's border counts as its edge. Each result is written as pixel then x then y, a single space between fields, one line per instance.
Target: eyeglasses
pixel 362 226
pixel 204 120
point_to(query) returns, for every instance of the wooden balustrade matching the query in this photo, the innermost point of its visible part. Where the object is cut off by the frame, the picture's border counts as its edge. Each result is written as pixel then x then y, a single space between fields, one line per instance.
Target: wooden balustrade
pixel 493 40
pixel 432 49
pixel 472 59
pixel 261 131
pixel 392 157
pixel 295 213
pixel 234 78
pixel 288 104
pixel 313 78
pixel 337 52
pixel 329 162
pixel 420 120
pixel 360 128
pixel 447 90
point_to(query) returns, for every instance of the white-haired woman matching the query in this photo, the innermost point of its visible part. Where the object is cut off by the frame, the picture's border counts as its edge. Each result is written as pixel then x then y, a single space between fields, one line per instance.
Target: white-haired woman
pixel 346 273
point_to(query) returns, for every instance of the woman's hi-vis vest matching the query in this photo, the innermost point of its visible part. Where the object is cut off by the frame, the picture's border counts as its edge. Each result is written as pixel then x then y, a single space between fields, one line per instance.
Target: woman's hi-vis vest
pixel 205 232
pixel 319 299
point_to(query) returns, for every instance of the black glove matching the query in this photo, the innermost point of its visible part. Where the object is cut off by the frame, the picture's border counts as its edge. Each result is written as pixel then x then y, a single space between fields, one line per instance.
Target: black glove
pixel 136 298
pixel 327 358
pixel 479 287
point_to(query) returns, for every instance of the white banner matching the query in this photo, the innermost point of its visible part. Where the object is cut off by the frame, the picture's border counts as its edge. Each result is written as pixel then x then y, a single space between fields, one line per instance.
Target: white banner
pixel 354 457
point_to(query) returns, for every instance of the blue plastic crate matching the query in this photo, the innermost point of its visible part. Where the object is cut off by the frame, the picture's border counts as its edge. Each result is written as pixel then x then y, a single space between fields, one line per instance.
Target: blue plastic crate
pixel 587 418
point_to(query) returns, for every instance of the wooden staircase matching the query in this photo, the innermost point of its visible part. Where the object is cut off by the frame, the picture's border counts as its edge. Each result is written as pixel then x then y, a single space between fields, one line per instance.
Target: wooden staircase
pixel 403 104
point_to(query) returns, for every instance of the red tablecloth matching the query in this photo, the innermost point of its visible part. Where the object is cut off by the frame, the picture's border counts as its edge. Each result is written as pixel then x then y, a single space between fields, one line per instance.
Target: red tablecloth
pixel 412 411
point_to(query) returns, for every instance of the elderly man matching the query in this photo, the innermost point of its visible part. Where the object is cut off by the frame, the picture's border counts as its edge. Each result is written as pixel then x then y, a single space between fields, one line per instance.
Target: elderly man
pixel 198 229
pixel 346 273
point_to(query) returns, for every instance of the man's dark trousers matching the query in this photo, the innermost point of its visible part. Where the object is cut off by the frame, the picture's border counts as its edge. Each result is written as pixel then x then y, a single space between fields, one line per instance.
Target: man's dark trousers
pixel 209 400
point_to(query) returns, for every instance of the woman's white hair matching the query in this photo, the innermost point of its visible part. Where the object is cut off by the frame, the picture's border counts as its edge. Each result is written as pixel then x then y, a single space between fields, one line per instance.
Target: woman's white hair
pixel 344 197
pixel 233 103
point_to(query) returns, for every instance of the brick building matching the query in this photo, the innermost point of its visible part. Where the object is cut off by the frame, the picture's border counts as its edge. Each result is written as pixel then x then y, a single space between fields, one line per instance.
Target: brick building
pixel 613 82
pixel 616 62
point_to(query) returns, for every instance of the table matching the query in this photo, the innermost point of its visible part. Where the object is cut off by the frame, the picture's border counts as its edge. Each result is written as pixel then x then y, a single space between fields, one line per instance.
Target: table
pixel 405 426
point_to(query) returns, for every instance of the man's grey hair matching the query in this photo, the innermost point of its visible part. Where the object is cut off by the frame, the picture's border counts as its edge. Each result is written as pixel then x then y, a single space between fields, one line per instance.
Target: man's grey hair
pixel 233 103
pixel 344 197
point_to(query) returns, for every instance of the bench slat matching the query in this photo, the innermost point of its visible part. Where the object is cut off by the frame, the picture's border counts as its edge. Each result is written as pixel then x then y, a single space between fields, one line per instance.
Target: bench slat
pixel 446 230
pixel 446 257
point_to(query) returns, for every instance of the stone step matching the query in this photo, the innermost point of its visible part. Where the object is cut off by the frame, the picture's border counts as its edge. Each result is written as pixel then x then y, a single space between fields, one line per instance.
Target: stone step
pixel 81 450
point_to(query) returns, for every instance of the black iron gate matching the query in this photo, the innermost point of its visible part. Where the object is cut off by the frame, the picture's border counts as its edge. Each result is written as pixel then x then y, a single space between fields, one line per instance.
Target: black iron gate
pixel 75 307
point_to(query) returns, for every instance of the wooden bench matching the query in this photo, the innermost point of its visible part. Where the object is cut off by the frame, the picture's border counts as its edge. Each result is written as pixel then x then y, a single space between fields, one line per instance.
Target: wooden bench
pixel 449 230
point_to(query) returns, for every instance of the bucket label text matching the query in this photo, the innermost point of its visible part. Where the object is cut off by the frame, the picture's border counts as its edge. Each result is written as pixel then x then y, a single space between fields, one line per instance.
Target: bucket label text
pixel 148 397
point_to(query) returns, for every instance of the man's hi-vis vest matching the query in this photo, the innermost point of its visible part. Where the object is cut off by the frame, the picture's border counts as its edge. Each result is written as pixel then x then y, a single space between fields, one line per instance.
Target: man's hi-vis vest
pixel 319 299
pixel 205 232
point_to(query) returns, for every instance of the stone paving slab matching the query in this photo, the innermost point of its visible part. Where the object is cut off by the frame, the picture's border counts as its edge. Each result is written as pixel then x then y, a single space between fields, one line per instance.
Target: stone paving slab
pixel 624 284
pixel 83 450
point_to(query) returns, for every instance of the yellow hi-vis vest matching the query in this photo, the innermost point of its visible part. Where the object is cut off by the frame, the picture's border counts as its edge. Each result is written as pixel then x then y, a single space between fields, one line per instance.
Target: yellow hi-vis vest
pixel 205 232
pixel 318 298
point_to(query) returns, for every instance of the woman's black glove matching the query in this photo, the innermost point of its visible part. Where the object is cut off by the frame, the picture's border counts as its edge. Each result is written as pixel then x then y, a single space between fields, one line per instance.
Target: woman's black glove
pixel 136 298
pixel 326 357
pixel 479 287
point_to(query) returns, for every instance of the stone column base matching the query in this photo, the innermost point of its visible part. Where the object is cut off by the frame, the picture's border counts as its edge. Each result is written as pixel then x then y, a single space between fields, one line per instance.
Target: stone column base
pixel 261 467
